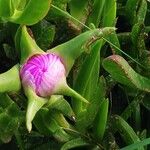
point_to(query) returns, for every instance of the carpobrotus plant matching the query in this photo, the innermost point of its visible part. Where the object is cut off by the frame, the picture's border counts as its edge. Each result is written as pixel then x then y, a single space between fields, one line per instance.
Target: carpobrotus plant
pixel 44 74
pixel 70 79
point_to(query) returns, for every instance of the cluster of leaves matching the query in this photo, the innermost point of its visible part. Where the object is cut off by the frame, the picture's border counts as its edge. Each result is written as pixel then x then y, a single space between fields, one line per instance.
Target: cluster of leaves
pixel 119 107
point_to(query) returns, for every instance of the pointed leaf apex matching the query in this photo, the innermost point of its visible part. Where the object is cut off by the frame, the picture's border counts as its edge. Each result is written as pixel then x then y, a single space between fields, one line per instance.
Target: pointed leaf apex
pixel 35 103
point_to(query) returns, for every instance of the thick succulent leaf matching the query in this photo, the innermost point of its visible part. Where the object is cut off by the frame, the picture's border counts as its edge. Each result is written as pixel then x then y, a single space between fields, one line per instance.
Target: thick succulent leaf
pixel 79 10
pixel 122 72
pixel 10 118
pixel 5 100
pixel 58 103
pixel 70 50
pixel 114 43
pixel 125 130
pixel 131 10
pixel 88 74
pixel 55 129
pixel 10 80
pixel 96 12
pixel 59 118
pixel 138 39
pixel 134 104
pixel 142 10
pixel 136 145
pixel 109 20
pixel 79 142
pixel 87 116
pixel 137 29
pixel 16 4
pixel 136 11
pixel 101 120
pixel 52 122
pixel 34 11
pixel 5 8
pixel 109 13
pixel 8 126
pixel 39 122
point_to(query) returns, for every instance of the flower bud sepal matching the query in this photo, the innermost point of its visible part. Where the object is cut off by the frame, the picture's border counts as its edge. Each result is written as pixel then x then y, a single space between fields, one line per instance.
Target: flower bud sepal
pixel 63 89
pixel 34 104
pixel 25 44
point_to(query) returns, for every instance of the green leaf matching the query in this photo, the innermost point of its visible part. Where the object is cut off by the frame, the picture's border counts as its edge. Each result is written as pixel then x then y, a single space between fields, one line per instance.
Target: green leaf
pixel 88 74
pixel 70 50
pixel 74 143
pixel 5 100
pixel 10 118
pixel 56 130
pixel 10 80
pixel 79 10
pixel 132 106
pixel 109 20
pixel 34 11
pixel 138 40
pixel 8 126
pixel 58 103
pixel 145 60
pixel 131 10
pixel 96 12
pixel 113 39
pixel 136 145
pixel 101 120
pixel 136 11
pixel 87 116
pixel 51 122
pixel 19 4
pixel 125 130
pixel 62 122
pixel 122 72
pixel 142 10
pixel 5 8
pixel 38 122
pixel 109 13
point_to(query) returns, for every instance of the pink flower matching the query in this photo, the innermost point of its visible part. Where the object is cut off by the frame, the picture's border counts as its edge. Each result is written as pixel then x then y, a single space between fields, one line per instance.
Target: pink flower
pixel 43 72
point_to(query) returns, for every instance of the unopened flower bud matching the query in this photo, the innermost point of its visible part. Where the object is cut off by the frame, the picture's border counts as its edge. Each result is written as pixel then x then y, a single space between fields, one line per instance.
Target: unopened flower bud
pixel 43 72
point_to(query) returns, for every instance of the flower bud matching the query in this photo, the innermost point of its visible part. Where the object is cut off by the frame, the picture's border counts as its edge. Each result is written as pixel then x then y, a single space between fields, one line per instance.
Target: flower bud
pixel 43 75
pixel 43 72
